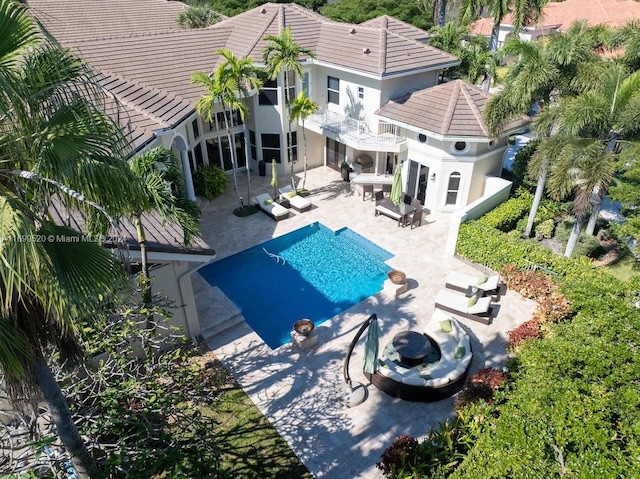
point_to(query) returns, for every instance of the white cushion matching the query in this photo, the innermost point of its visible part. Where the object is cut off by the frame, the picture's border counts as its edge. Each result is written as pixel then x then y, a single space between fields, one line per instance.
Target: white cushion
pixel 388 373
pixel 414 381
pixel 439 382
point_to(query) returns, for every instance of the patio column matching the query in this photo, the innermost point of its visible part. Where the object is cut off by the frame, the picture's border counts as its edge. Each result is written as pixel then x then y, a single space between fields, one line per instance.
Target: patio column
pixel 188 181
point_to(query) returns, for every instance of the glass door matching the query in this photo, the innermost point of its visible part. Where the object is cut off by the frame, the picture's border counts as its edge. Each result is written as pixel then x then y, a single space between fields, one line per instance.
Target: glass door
pixel 418 181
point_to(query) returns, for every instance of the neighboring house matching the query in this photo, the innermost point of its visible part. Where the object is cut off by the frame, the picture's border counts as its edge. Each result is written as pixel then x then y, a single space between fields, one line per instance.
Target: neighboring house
pixel 360 77
pixel 558 16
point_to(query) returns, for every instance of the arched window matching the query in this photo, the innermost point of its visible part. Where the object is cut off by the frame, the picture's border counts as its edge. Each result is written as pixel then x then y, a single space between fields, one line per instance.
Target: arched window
pixel 453 188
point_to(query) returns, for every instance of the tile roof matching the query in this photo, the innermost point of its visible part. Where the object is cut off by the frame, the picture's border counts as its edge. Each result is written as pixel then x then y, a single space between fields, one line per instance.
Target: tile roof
pixel 450 109
pixel 70 21
pixel 161 237
pixel 398 27
pixel 613 13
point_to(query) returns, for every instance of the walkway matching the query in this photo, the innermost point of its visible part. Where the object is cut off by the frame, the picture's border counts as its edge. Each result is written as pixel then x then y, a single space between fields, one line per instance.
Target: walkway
pixel 300 392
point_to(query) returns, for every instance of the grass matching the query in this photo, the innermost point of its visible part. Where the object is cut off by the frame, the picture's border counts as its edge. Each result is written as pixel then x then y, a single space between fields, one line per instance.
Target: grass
pixel 250 446
pixel 625 268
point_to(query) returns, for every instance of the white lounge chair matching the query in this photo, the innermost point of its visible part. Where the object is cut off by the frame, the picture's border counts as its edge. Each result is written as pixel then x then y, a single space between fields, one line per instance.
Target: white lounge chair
pixel 268 206
pixel 476 308
pixel 296 201
pixel 489 284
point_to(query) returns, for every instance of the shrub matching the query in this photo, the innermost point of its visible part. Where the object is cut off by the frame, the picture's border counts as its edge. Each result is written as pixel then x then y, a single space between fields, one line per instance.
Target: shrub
pixel 482 386
pixel 209 181
pixel 526 331
pixel 521 163
pixel 401 455
pixel 588 246
pixel 545 229
pixel 505 216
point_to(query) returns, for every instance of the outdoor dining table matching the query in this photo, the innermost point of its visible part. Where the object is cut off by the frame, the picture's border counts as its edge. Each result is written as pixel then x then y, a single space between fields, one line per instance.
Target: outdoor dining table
pixel 398 212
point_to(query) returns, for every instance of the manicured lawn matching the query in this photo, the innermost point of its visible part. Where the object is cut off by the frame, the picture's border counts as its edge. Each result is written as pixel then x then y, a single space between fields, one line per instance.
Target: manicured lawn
pixel 250 446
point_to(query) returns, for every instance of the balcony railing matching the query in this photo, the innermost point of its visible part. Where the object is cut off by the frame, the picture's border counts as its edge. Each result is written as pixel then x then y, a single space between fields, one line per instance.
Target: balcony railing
pixel 357 130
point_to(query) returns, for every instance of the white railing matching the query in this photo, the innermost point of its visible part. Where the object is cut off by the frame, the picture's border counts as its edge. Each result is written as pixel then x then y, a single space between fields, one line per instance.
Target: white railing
pixel 357 130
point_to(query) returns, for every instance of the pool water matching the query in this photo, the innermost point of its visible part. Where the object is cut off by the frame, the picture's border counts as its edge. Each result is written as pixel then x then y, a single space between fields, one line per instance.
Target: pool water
pixel 312 273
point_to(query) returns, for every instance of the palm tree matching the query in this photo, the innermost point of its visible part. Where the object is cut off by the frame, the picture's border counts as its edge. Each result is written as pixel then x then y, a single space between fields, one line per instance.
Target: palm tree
pixel 229 84
pixel 161 179
pixel 198 16
pixel 524 11
pixel 605 115
pixel 56 148
pixel 301 107
pixel 551 67
pixel 282 54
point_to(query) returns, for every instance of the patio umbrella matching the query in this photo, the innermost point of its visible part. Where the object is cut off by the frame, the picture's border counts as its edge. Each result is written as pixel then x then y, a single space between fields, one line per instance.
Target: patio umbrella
pixel 396 187
pixel 371 347
pixel 274 176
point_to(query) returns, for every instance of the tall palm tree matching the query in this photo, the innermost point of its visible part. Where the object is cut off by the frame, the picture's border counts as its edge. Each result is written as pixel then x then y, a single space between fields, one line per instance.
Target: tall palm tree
pixel 228 85
pixel 524 12
pixel 550 67
pixel 282 55
pixel 603 120
pixel 301 107
pixel 198 16
pixel 56 148
pixel 162 181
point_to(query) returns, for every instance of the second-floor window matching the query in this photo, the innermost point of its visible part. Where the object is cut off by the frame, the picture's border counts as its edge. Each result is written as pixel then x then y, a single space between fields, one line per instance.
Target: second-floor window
pixel 291 93
pixel 269 93
pixel 196 129
pixel 270 147
pixel 333 90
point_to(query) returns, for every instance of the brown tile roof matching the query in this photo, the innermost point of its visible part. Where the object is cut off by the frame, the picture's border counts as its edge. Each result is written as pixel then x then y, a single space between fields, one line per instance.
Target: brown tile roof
pixel 613 13
pixel 398 27
pixel 71 21
pixel 450 109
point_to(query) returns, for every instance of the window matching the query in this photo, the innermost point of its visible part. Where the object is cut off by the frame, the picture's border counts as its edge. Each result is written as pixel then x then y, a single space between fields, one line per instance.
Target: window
pixel 196 129
pixel 360 92
pixel 252 144
pixel 290 94
pixel 333 90
pixel 197 152
pixel 460 146
pixel 306 84
pixel 294 145
pixel 452 188
pixel 241 157
pixel 213 151
pixel 270 147
pixel 336 153
pixel 220 118
pixel 269 93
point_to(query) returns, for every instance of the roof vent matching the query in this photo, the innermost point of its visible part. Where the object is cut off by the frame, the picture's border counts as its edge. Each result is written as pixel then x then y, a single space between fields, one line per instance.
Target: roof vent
pixel 264 10
pixel 352 31
pixel 366 50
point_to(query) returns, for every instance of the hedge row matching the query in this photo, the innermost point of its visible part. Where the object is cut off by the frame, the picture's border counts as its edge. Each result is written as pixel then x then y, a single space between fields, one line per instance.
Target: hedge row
pixel 573 407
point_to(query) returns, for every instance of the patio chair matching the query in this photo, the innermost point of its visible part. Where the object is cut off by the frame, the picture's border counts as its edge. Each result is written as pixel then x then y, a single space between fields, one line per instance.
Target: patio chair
pixel 378 196
pixel 474 307
pixel 367 189
pixel 296 201
pixel 268 206
pixel 416 218
pixel 386 189
pixel 489 284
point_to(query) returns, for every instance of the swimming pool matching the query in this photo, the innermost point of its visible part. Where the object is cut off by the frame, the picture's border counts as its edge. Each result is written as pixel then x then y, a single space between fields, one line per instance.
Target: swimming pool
pixel 312 272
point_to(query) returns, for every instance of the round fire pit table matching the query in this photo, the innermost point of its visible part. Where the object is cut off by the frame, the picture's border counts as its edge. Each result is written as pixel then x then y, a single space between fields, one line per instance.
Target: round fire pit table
pixel 412 347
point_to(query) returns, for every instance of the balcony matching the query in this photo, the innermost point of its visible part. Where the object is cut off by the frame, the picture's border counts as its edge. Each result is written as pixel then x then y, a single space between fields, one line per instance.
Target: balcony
pixel 355 132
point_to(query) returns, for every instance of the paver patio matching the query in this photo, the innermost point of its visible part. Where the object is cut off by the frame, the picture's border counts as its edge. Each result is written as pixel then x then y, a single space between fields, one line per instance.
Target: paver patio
pixel 300 391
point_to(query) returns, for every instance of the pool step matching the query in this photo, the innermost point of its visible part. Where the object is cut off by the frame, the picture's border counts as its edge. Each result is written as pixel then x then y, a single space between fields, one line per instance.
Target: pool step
pixel 217 314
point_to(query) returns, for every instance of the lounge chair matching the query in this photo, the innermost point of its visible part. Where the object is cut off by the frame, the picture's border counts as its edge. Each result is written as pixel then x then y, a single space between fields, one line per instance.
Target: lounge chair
pixel 475 308
pixel 296 201
pixel 489 284
pixel 268 206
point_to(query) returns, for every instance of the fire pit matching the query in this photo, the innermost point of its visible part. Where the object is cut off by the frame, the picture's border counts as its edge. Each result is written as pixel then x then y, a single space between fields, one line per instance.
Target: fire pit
pixel 303 326
pixel 397 277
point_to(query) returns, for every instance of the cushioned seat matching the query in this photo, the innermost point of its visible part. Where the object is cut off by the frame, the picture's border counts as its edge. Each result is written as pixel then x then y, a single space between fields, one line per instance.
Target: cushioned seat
pixel 296 201
pixel 271 208
pixel 478 309
pixel 462 282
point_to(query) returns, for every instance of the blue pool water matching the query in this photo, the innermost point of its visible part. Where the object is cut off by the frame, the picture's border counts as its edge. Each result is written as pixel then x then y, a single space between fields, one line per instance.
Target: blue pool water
pixel 312 273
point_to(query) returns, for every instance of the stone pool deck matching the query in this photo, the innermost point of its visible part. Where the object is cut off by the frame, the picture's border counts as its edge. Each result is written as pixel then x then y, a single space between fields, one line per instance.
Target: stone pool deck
pixel 300 392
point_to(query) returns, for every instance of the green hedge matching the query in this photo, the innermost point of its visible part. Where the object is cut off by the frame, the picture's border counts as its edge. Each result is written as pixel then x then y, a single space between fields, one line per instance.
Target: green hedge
pixel 505 216
pixel 573 407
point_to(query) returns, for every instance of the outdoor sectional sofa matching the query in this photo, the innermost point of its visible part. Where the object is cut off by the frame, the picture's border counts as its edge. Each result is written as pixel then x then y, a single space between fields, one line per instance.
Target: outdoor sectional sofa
pixel 433 381
pixel 268 206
